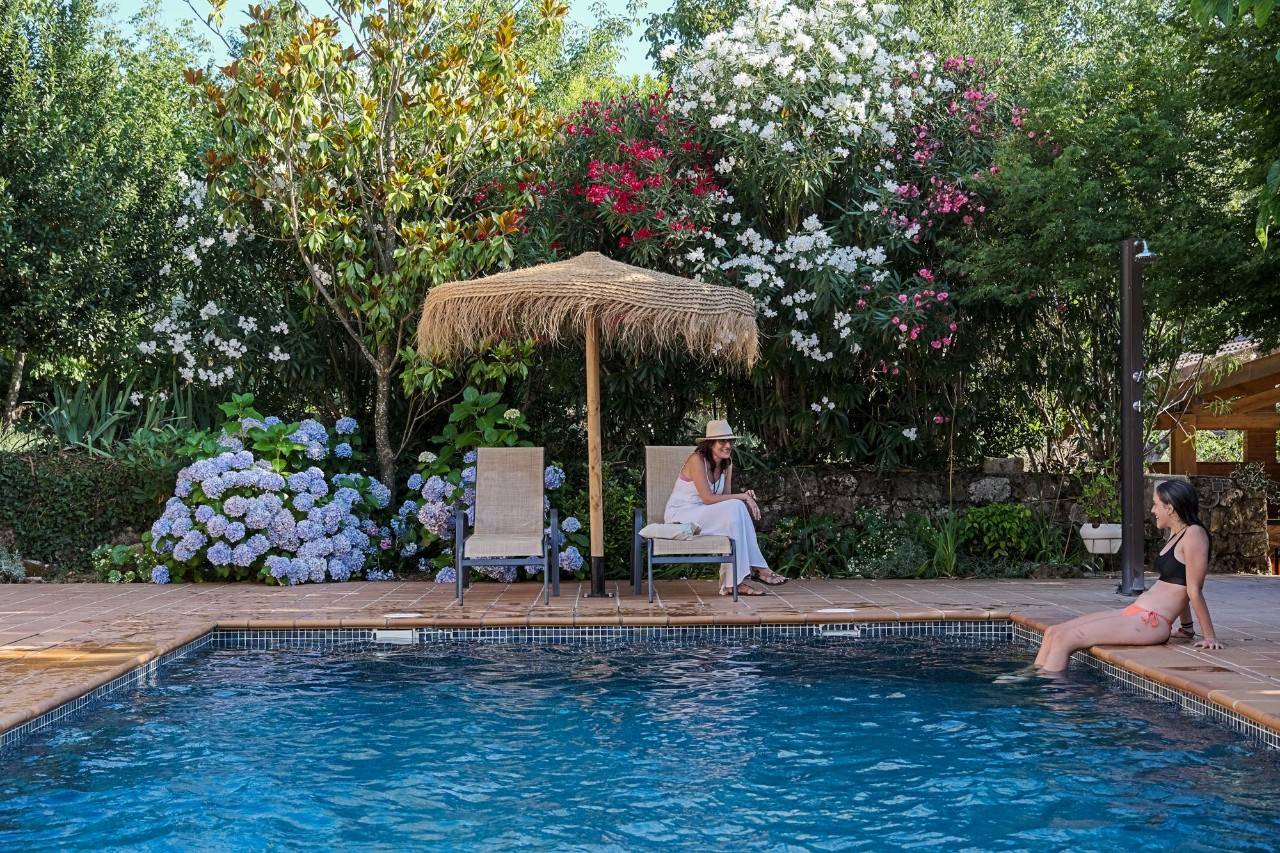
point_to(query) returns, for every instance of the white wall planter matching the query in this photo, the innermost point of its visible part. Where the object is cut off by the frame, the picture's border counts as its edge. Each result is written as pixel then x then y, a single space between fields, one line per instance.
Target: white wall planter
pixel 1101 538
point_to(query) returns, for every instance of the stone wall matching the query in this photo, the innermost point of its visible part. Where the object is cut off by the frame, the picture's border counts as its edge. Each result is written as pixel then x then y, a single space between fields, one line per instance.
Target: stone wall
pixel 1236 519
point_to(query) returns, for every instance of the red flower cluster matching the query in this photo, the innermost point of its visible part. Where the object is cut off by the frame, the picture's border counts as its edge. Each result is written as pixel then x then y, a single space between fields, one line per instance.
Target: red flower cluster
pixel 625 164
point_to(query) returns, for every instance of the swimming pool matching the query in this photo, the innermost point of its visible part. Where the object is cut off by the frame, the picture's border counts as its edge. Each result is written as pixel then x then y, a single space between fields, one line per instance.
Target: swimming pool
pixel 820 744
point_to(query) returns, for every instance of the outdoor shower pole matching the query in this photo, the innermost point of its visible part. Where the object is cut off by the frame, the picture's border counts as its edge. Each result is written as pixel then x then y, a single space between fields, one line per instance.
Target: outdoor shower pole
pixel 1132 373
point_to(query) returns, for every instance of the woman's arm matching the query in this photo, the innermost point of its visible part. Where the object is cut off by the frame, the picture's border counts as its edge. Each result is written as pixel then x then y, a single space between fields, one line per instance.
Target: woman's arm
pixel 1195 556
pixel 728 479
pixel 697 473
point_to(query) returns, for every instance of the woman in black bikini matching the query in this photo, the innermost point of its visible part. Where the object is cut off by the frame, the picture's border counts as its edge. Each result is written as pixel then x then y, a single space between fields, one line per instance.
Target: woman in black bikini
pixel 1181 564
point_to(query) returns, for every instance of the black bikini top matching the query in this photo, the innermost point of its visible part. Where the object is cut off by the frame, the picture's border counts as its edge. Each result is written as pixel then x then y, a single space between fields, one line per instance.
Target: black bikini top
pixel 1170 568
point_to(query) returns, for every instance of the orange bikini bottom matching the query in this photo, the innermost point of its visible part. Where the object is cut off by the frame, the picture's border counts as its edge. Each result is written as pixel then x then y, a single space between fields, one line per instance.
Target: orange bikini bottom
pixel 1151 617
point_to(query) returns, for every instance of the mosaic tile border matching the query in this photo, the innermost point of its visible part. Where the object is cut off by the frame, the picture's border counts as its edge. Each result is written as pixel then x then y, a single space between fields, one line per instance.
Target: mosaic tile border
pixel 980 630
pixel 145 672
pixel 1187 702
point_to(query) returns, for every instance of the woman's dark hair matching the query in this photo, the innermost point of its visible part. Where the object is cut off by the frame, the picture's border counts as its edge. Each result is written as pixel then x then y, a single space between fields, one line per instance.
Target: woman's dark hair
pixel 715 466
pixel 1180 495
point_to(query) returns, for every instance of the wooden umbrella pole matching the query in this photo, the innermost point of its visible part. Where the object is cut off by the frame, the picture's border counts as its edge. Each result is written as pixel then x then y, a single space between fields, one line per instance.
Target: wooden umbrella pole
pixel 594 462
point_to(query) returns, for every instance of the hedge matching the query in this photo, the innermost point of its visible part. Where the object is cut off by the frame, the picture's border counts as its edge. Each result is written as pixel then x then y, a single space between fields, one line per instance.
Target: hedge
pixel 57 507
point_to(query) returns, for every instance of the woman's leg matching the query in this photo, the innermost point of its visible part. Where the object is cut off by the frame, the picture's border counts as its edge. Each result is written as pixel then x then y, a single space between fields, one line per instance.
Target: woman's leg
pixel 1053 634
pixel 1114 628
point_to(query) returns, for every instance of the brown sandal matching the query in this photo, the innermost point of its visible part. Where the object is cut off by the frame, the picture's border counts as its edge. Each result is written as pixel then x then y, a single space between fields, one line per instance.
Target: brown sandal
pixel 774 578
pixel 743 589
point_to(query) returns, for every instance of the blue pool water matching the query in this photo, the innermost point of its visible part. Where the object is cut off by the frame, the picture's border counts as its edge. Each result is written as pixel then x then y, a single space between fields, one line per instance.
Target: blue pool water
pixel 818 746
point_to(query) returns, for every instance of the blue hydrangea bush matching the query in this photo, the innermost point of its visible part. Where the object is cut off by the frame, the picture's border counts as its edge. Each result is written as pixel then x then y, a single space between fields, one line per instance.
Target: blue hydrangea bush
pixel 277 502
pixel 423 525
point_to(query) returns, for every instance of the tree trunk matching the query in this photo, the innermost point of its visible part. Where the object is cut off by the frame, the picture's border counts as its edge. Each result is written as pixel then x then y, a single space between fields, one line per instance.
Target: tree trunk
pixel 15 388
pixel 381 415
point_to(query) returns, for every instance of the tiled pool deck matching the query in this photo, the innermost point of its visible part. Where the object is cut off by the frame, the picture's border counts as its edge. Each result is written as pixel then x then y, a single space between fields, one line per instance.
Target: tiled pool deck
pixel 59 642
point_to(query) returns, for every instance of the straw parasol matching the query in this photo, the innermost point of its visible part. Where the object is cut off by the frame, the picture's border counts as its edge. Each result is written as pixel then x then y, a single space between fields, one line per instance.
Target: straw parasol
pixel 606 302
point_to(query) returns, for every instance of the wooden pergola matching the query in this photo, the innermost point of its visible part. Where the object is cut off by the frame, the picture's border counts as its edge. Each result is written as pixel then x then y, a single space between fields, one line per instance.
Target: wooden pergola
pixel 1244 399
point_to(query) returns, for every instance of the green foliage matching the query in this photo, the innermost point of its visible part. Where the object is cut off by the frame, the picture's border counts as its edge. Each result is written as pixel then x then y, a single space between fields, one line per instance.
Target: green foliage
pixel 87 174
pixel 1137 146
pixel 884 549
pixel 941 536
pixel 303 122
pixel 1252 477
pixel 124 563
pixel 479 420
pixel 1045 543
pixel 623 492
pixel 60 506
pixel 1219 445
pixel 813 547
pixel 1001 531
pixel 11 568
pixel 1100 496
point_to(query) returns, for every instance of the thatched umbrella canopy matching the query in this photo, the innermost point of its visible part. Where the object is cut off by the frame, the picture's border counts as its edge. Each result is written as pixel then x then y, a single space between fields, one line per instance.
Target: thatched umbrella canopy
pixel 606 303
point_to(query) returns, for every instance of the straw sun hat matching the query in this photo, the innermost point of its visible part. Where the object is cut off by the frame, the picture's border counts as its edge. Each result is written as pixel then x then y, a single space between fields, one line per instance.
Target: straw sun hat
pixel 718 431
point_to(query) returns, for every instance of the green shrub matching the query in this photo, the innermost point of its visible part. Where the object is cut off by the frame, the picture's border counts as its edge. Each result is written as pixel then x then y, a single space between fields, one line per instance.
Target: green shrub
pixel 817 546
pixel 941 538
pixel 1001 531
pixel 60 506
pixel 11 568
pixel 124 563
pixel 884 549
pixel 1099 497
pixel 1046 543
pixel 623 492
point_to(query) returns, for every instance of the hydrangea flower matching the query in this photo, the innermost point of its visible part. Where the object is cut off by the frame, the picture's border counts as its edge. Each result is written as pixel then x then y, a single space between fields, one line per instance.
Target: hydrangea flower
pixel 469 457
pixel 571 525
pixel 553 477
pixel 342 451
pixel 436 518
pixel 415 482
pixel 219 553
pixel 345 426
pixel 380 493
pixel 435 489
pixel 571 559
pixel 159 574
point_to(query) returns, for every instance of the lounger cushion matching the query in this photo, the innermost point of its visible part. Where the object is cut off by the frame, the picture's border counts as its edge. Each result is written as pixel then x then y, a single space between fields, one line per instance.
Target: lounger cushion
pixel 670 531
pixel 697 546
pixel 503 545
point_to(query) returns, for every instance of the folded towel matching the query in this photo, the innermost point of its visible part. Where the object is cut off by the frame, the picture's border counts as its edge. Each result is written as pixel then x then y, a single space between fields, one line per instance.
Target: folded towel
pixel 681 530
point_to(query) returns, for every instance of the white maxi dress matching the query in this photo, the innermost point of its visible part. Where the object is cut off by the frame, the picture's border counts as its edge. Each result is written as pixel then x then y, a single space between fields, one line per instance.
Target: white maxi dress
pixel 725 518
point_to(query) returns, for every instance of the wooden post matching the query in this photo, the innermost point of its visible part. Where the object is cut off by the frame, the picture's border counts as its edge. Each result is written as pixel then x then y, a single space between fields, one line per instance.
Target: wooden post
pixel 595 465
pixel 1182 446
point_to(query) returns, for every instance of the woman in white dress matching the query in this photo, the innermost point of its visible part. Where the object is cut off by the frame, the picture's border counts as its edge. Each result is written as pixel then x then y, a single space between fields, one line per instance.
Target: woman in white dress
pixel 703 495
